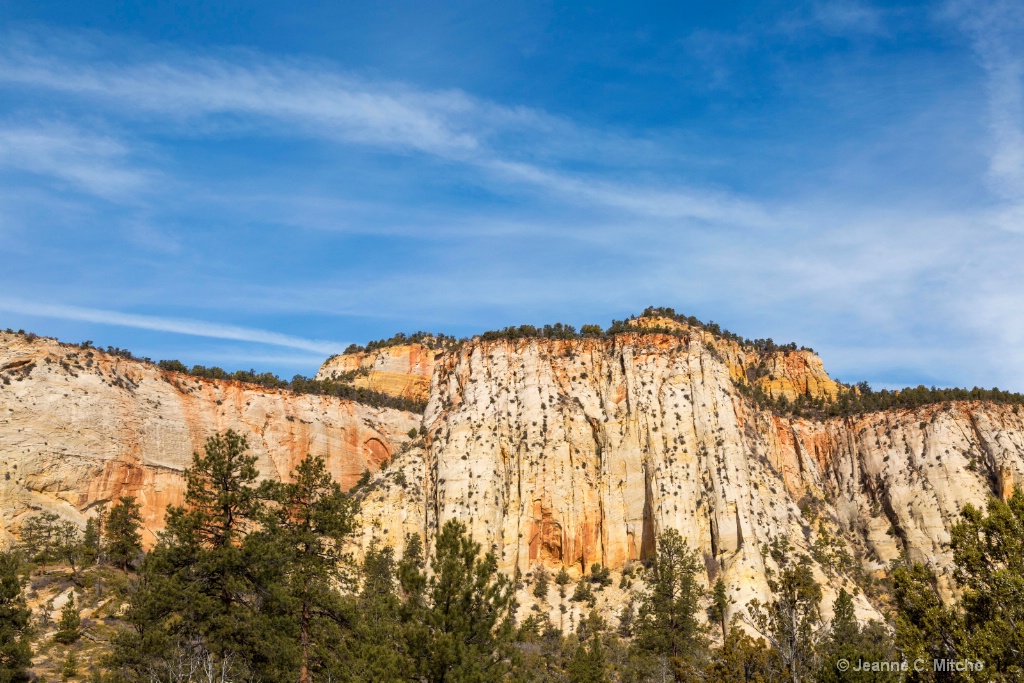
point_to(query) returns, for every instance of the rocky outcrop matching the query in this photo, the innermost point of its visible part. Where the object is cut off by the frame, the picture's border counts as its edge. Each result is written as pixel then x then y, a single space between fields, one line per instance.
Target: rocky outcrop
pixel 897 480
pixel 79 427
pixel 402 371
pixel 569 453
pixel 789 373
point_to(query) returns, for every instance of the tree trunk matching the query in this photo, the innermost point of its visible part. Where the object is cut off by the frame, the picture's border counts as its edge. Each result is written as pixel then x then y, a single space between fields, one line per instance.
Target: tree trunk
pixel 304 669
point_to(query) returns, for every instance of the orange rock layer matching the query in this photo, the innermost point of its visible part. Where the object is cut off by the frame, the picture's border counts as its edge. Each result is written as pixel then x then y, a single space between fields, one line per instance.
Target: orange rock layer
pixel 81 427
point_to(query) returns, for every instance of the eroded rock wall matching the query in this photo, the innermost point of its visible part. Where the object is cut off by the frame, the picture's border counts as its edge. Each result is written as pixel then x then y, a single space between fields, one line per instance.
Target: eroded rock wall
pixel 569 453
pixel 80 427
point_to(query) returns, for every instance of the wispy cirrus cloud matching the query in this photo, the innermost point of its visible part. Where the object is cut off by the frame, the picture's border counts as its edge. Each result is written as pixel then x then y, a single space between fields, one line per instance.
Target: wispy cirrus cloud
pixel 196 328
pixel 315 102
pixel 88 160
pixel 296 191
pixel 845 17
pixel 996 30
pixel 209 95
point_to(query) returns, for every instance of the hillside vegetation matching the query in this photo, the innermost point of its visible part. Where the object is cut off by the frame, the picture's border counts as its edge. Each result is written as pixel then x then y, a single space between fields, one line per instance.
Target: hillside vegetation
pixel 252 582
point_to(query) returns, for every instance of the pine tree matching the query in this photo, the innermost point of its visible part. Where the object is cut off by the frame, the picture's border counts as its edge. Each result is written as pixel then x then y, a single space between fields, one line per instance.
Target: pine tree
pixel 378 650
pixel 741 659
pixel 720 605
pixel 540 587
pixel 68 628
pixel 583 593
pixel 588 663
pixel 70 668
pixel 205 587
pixel 792 620
pixel 411 578
pixel 123 540
pixel 15 652
pixel 39 538
pixel 69 546
pixel 311 520
pixel 627 615
pixel 667 623
pixel 848 640
pixel 467 614
pixel 562 579
pixel 92 539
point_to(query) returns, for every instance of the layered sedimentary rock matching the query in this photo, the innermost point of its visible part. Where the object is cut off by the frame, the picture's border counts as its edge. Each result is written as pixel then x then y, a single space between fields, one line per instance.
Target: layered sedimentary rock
pixel 555 453
pixel 79 427
pixel 569 453
pixel 403 371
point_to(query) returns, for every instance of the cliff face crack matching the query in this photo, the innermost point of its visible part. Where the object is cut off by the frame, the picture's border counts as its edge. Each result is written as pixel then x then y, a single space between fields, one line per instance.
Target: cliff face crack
pixel 991 466
pixel 647 540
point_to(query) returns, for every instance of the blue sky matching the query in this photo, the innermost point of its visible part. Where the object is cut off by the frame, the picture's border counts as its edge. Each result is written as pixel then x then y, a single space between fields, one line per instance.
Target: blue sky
pixel 260 184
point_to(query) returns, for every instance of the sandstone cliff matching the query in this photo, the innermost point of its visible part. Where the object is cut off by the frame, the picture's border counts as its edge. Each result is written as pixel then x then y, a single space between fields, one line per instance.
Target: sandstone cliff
pixel 569 453
pixel 79 427
pixel 556 453
pixel 403 371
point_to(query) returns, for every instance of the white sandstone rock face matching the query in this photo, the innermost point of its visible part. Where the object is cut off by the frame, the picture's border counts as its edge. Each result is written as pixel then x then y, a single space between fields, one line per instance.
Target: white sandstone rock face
pixel 569 453
pixel 80 427
pixel 899 479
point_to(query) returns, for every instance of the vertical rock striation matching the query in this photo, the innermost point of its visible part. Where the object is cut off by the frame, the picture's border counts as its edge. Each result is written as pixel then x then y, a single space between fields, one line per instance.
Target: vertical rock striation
pixel 569 453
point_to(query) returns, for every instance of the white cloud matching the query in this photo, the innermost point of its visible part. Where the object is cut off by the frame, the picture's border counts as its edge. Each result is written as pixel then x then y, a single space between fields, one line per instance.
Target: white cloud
pixel 185 326
pixel 997 32
pixel 318 102
pixel 914 286
pixel 845 17
pixel 290 98
pixel 679 203
pixel 91 162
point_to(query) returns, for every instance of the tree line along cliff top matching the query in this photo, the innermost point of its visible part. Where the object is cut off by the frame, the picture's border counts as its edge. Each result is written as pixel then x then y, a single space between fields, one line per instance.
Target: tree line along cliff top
pixel 637 324
pixel 849 400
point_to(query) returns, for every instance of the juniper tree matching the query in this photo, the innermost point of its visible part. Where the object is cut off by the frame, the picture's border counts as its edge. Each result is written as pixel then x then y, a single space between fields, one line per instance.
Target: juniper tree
pixel 988 554
pixel 925 627
pixel 988 623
